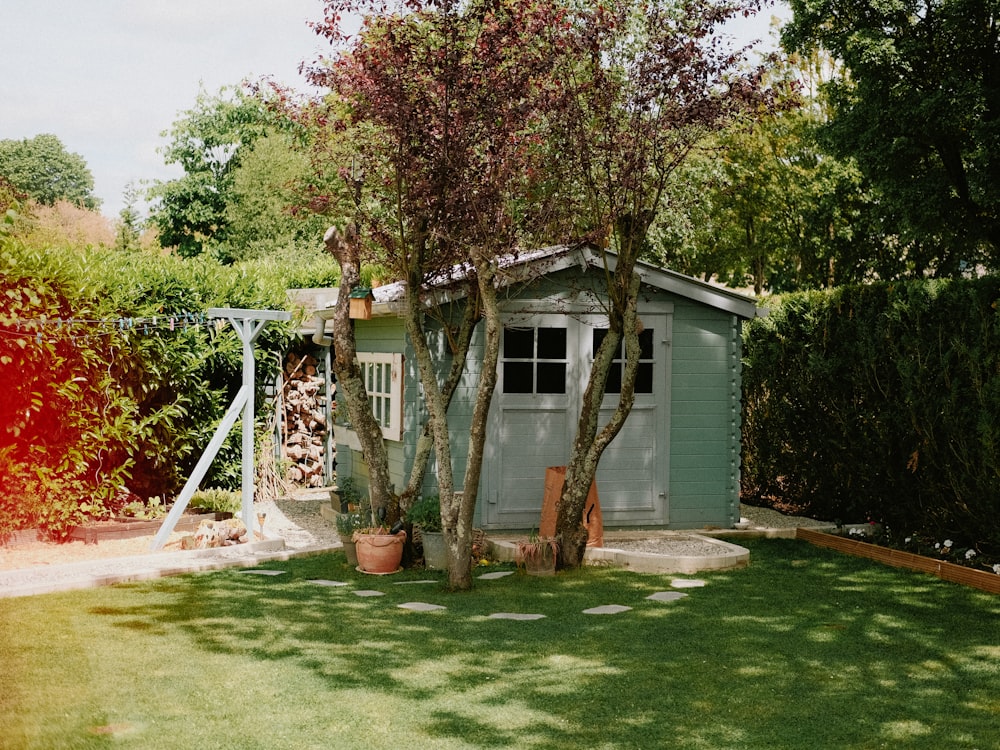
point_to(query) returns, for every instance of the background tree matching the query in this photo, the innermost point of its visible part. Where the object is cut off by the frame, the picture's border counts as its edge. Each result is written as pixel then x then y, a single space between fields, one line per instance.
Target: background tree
pixel 42 168
pixel 238 161
pixel 918 107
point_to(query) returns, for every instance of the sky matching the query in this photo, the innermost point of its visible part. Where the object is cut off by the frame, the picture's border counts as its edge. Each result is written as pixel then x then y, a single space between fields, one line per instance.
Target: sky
pixel 108 77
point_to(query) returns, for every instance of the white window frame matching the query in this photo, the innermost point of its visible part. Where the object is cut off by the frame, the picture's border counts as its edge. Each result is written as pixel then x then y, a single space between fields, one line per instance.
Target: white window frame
pixel 382 374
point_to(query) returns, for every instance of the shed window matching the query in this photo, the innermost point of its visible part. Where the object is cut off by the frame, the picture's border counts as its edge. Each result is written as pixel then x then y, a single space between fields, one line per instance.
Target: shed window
pixel 644 378
pixel 534 360
pixel 383 376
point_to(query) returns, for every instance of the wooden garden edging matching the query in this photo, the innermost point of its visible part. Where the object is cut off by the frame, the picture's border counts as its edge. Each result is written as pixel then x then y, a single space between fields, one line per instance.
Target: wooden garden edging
pixel 980 579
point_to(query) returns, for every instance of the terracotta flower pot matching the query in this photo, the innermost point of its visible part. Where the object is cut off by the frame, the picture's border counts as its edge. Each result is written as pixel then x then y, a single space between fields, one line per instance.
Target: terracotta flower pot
pixel 379 553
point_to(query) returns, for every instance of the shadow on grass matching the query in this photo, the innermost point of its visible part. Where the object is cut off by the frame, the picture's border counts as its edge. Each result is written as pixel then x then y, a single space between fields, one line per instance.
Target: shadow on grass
pixel 805 648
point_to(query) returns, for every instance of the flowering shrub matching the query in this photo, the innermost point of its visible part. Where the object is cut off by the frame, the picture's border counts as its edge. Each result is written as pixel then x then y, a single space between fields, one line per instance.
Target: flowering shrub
pixel 946 549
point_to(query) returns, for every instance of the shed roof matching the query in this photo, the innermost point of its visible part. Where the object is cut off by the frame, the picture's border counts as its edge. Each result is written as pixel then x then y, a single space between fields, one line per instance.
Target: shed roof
pixel 543 261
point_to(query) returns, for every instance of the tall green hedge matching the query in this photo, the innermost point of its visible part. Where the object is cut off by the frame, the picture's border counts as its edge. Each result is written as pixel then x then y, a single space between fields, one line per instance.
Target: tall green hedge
pixel 882 403
pixel 111 376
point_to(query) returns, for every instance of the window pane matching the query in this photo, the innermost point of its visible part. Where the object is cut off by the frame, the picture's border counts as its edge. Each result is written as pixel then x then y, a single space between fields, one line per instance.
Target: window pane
pixel 644 378
pixel 551 344
pixel 646 344
pixel 518 343
pixel 551 377
pixel 599 334
pixel 614 382
pixel 517 377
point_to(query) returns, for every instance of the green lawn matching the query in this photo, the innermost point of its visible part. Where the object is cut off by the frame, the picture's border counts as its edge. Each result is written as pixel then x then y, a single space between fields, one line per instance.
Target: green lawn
pixel 804 649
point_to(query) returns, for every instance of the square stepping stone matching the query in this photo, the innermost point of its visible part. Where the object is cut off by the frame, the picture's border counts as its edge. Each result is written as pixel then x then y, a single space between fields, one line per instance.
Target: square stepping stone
pixel 257 572
pixel 687 583
pixel 420 606
pixel 666 596
pixel 515 616
pixel 607 609
pixel 411 583
pixel 495 575
pixel 368 592
pixel 325 582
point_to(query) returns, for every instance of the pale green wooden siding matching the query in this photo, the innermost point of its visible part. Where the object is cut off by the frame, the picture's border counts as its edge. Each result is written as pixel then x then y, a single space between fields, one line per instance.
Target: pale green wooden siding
pixel 703 413
pixel 705 417
pixel 459 414
pixel 377 335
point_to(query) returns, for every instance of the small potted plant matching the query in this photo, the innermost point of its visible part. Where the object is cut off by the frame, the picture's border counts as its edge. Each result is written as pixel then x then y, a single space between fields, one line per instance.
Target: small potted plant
pixel 538 555
pixel 379 548
pixel 425 514
pixel 347 524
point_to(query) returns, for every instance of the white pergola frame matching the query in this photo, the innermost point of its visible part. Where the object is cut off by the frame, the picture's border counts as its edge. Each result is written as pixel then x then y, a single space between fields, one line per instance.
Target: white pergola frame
pixel 248 324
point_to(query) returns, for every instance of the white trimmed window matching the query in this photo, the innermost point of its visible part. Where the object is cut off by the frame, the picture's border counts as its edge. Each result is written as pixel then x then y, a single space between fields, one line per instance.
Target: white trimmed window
pixel 383 376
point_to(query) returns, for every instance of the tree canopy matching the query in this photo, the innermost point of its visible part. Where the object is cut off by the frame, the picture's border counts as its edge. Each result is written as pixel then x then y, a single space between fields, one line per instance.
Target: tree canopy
pixel 239 166
pixel 918 107
pixel 44 170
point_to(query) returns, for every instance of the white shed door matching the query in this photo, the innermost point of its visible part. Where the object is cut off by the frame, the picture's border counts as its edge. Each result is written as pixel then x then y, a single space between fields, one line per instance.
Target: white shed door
pixel 543 370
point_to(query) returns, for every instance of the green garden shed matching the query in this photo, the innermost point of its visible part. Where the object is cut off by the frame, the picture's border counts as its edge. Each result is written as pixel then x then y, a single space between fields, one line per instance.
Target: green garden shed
pixel 676 462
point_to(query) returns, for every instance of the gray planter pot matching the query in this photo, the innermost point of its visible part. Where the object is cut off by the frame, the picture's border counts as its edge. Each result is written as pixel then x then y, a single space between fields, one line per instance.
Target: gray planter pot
pixel 435 551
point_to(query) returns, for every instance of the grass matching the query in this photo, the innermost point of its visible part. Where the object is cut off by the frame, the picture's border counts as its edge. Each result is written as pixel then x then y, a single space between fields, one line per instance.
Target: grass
pixel 804 649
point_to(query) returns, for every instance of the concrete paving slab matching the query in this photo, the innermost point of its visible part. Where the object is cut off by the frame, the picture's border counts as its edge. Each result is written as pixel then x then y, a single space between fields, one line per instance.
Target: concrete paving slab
pixel 368 592
pixel 515 616
pixel 495 575
pixel 607 609
pixel 420 606
pixel 412 583
pixel 687 583
pixel 666 596
pixel 258 572
pixel 325 582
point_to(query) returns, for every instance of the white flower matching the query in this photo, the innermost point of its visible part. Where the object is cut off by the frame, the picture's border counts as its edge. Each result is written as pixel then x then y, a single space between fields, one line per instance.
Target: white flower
pixel 947 543
pixel 996 569
pixel 969 554
pixel 908 539
pixel 937 545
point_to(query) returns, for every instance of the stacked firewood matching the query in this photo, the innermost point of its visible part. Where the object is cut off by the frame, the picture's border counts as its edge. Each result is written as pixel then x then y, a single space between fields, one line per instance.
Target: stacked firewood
pixel 305 424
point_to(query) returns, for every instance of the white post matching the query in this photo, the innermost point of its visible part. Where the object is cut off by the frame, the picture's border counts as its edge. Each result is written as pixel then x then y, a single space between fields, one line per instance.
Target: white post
pixel 248 324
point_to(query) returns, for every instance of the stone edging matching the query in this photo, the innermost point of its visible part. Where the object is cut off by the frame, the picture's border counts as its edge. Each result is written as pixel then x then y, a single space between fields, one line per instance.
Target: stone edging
pixel 729 556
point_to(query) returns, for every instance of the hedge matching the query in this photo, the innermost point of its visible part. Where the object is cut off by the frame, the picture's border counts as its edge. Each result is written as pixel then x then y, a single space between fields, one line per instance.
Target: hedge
pixel 88 408
pixel 879 402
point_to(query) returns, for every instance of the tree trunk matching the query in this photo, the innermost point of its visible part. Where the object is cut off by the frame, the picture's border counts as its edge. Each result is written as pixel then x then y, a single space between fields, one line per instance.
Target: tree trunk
pixel 590 443
pixel 351 389
pixel 425 442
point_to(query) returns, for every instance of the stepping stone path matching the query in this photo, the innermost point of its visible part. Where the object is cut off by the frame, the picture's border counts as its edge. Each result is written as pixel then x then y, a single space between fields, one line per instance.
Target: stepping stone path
pixel 258 572
pixel 666 596
pixel 604 609
pixel 421 606
pixel 410 583
pixel 607 609
pixel 687 583
pixel 515 616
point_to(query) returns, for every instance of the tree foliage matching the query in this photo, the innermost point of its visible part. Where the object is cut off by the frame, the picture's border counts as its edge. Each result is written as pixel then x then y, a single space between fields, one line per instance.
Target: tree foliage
pixel 239 164
pixel 43 169
pixel 442 107
pixel 645 82
pixel 918 108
